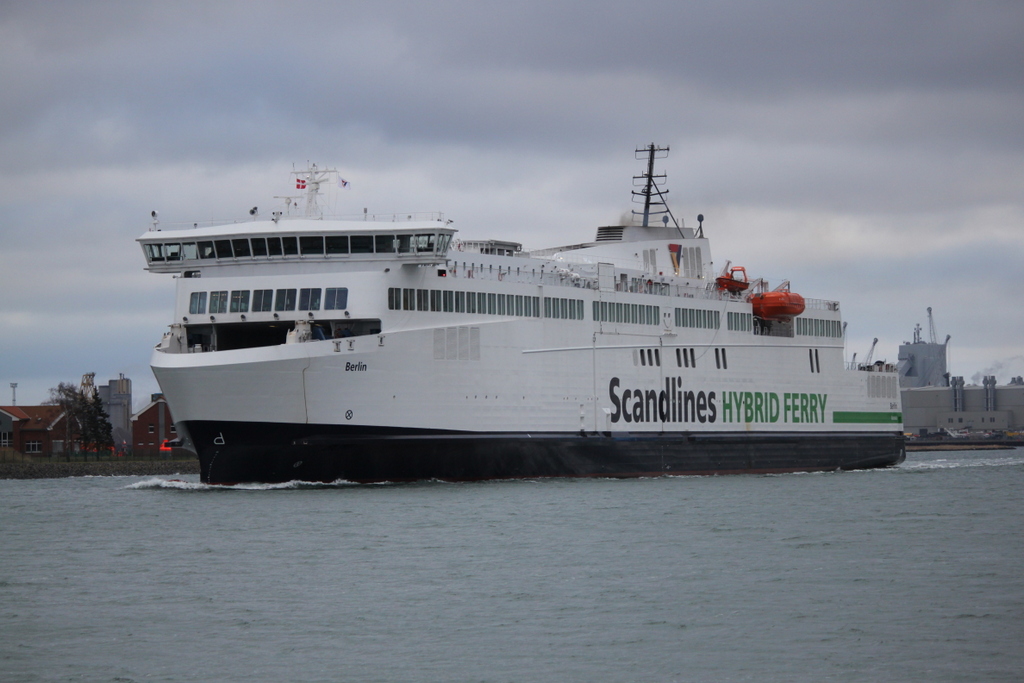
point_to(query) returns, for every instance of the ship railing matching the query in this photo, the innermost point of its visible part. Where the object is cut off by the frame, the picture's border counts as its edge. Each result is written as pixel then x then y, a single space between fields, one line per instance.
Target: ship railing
pixel 877 366
pixel 821 304
pixel 776 329
pixel 580 273
pixel 401 217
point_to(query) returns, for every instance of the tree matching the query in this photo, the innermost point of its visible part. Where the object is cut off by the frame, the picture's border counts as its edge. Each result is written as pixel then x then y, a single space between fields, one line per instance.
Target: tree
pixel 68 397
pixel 100 434
pixel 86 423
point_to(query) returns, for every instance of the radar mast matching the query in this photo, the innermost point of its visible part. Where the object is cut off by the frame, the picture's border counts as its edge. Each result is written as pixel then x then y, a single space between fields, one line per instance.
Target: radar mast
pixel 652 196
pixel 310 180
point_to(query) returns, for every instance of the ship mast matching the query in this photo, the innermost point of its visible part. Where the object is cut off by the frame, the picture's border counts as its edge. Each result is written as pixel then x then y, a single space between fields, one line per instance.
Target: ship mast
pixel 652 196
pixel 310 181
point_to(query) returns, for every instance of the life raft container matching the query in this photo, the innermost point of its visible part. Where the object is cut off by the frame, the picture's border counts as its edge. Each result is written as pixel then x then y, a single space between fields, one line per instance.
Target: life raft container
pixel 777 305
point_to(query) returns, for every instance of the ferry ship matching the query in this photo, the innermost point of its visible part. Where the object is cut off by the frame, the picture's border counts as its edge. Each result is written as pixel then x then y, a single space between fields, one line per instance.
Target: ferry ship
pixel 386 348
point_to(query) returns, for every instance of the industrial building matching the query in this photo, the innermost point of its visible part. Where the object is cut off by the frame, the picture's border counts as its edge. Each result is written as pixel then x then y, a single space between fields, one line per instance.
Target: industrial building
pixel 935 402
pixel 958 407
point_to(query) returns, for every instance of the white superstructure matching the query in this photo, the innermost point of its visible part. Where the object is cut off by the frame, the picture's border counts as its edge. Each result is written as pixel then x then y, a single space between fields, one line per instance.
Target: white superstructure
pixel 395 327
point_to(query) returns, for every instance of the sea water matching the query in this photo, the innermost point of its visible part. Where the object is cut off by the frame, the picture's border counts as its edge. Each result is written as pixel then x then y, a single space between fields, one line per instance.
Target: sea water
pixel 914 573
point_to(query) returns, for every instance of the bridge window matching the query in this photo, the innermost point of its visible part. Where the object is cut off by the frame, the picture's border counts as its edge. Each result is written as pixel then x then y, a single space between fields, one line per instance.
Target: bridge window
pixel 311 246
pixel 219 302
pixel 285 300
pixel 262 300
pixel 336 299
pixel 290 245
pixel 362 244
pixel 274 246
pixel 240 301
pixel 384 244
pixel 337 244
pixel 155 252
pixel 223 248
pixel 309 299
pixel 424 243
pixel 259 246
pixel 197 303
pixel 241 247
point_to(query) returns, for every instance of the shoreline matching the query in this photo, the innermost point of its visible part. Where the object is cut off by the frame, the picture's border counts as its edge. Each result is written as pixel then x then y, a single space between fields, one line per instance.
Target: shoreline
pixel 962 445
pixel 102 468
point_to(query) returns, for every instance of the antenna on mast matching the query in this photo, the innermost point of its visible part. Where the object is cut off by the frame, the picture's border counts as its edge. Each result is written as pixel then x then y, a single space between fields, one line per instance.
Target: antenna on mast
pixel 310 181
pixel 652 196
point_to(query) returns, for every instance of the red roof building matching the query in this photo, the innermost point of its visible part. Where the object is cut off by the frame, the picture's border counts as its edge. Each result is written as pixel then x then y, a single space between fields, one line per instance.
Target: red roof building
pixel 32 430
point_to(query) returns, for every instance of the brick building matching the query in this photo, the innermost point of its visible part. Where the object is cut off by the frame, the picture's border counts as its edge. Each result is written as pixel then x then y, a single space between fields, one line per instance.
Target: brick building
pixel 152 426
pixel 32 430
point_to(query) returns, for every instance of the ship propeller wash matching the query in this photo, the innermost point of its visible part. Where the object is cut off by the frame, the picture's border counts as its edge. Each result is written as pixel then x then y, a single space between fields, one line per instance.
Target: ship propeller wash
pixel 386 349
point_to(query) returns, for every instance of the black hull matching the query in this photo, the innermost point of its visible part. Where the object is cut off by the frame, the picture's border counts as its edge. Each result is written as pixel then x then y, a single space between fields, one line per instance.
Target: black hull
pixel 238 452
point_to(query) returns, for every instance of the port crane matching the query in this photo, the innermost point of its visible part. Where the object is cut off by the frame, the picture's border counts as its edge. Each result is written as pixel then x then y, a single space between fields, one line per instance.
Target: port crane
pixel 871 353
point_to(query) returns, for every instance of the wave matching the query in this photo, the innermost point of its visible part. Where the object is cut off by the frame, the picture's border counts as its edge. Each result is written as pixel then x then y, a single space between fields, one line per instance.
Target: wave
pixel 183 485
pixel 955 463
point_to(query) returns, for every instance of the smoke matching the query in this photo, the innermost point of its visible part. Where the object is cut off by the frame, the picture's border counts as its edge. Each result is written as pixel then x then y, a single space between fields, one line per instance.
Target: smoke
pixel 1002 369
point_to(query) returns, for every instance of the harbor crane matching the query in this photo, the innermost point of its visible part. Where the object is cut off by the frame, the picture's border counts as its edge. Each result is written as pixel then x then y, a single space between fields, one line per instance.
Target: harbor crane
pixel 871 354
pixel 932 337
pixel 87 385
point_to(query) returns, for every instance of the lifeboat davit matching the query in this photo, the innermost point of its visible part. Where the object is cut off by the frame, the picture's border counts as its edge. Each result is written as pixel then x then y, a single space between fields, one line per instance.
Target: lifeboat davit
pixel 730 283
pixel 777 305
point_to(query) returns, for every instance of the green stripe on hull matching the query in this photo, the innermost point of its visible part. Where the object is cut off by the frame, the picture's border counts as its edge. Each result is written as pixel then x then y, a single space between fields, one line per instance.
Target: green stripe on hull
pixel 855 417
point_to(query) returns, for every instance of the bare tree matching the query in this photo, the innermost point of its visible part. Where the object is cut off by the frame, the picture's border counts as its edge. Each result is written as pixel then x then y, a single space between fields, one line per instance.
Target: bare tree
pixel 69 398
pixel 86 423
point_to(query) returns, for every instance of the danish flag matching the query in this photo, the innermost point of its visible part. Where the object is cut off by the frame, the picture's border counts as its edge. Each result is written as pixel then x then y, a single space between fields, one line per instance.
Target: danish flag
pixel 300 183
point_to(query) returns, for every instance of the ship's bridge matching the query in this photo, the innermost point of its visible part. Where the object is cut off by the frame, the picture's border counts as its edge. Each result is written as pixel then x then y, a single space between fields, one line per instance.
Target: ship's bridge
pixel 175 251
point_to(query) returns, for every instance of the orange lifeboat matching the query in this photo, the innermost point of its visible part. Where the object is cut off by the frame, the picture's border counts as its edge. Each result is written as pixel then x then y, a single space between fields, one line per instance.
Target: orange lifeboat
pixel 777 305
pixel 730 283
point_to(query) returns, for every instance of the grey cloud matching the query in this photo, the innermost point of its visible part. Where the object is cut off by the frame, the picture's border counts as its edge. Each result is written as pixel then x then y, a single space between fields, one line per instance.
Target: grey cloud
pixel 897 121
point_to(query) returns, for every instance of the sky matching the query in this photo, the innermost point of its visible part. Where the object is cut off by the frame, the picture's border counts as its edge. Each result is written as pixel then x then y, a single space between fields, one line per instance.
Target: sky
pixel 869 152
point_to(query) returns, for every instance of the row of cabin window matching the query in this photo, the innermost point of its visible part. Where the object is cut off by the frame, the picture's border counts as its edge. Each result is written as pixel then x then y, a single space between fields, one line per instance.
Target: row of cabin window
pixel 400 299
pixel 698 317
pixel 264 300
pixel 306 245
pixel 812 327
pixel 639 314
pixel 566 309
pixel 652 357
pixel 740 322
